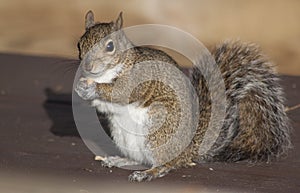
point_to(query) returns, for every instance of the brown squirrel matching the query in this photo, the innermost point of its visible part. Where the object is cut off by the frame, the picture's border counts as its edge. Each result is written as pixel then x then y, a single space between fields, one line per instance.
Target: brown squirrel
pixel 255 128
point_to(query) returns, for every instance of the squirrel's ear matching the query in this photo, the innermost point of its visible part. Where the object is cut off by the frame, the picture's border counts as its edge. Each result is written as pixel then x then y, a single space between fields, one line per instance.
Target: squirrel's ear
pixel 119 21
pixel 89 19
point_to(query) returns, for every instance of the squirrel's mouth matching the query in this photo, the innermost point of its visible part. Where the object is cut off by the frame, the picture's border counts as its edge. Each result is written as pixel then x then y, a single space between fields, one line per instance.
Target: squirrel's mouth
pixel 94 70
pixel 95 73
pixel 104 74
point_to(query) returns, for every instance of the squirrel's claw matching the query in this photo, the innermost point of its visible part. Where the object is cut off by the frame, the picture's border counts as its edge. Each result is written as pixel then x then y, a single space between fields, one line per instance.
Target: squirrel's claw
pixel 150 174
pixel 139 176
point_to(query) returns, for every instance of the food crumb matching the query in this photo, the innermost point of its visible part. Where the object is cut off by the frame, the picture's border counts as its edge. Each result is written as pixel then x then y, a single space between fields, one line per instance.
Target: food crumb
pixel 211 169
pixel 89 81
pixel 99 158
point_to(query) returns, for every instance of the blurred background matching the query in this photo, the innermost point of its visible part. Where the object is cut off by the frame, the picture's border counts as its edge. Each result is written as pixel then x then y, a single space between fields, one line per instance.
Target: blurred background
pixel 52 27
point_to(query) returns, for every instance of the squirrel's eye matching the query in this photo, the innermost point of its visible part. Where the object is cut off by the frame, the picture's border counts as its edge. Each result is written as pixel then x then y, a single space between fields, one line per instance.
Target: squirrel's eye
pixel 110 46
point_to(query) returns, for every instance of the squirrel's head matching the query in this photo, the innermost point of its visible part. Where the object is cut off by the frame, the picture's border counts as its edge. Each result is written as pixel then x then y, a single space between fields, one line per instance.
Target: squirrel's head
pixel 100 47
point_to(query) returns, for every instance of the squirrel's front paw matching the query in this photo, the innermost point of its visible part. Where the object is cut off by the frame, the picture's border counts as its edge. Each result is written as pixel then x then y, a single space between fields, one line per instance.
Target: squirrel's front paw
pixel 86 89
pixel 140 176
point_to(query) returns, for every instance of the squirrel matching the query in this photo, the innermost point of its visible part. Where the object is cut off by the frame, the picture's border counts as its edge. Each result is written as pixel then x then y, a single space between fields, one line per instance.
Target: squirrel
pixel 256 127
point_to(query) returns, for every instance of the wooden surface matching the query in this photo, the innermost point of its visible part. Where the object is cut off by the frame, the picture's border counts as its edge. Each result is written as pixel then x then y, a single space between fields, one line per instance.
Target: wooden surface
pixel 40 150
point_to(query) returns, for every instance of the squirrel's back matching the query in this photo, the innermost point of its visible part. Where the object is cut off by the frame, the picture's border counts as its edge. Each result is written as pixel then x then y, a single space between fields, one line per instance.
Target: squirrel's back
pixel 256 125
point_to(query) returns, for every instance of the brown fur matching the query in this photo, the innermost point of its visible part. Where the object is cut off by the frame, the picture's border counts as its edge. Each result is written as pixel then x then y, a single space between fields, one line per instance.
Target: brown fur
pixel 256 125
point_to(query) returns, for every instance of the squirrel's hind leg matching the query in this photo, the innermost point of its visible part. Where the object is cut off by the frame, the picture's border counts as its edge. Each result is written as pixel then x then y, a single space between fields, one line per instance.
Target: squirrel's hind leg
pixel 159 171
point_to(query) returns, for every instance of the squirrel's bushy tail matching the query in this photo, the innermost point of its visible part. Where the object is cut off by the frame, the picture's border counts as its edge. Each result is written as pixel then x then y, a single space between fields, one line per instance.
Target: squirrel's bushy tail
pixel 256 126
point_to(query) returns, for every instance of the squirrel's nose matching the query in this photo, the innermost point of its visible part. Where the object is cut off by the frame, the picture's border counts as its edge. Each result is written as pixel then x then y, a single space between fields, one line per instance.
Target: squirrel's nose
pixel 87 64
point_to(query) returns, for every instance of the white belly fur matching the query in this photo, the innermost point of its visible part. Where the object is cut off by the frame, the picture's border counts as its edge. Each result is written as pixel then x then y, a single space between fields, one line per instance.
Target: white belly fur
pixel 129 128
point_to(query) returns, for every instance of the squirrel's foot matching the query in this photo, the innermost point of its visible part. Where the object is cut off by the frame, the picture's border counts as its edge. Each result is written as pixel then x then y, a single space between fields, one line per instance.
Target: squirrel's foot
pixel 139 176
pixel 115 161
pixel 148 175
